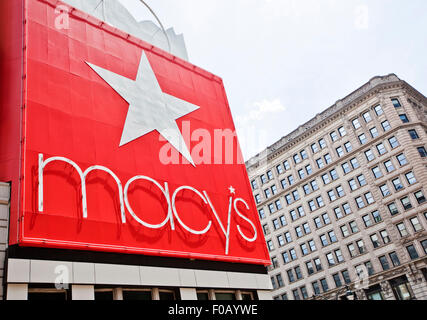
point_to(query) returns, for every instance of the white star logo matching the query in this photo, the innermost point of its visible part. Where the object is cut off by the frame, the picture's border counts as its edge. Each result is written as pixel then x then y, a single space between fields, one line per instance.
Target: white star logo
pixel 149 107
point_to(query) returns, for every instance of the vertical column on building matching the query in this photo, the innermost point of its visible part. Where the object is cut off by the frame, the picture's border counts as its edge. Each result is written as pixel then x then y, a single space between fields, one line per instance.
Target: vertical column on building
pixel 4 217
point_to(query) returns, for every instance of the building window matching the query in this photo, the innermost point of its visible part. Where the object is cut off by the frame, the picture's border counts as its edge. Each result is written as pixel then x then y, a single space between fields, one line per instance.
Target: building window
pixel 346 168
pixel 354 163
pixel 356 124
pixel 402 159
pixel 291 277
pixel 393 208
pixel 306 228
pixel 304 154
pixel 394 143
pixel 353 226
pixel 376 215
pixel 384 190
pixel 263 179
pixel 389 166
pixel 367 220
pixel 337 280
pixel 274 189
pixel 317 264
pixel 386 125
pixel 346 276
pixel 283 221
pixel 344 231
pixel 353 185
pixel 293 254
pixel 265 229
pixel 424 245
pixel 267 193
pixel 324 240
pixel 369 155
pixel 384 263
pixel 326 179
pixel 314 185
pixel 319 201
pixel 314 148
pixel 367 117
pixel 280 240
pixel 361 246
pixel 319 163
pixel 334 136
pixel 420 197
pixel 369 198
pixel 261 213
pixel 308 169
pixel 324 285
pixel 362 180
pixel 330 258
pixel 298 232
pixel 416 224
pixel 402 229
pixel 374 132
pixel 254 184
pixel 304 292
pixel 331 195
pixel 291 180
pixel 404 118
pixel 413 254
pixel 362 139
pixel 312 245
pixel 306 189
pixel 338 213
pixel 359 202
pixel 396 103
pixel 270 245
pixel 276 224
pixel 348 147
pixel 394 259
pixel 309 266
pixel 381 149
pixel 296 294
pixel 316 288
pixel 301 211
pixel 384 236
pixel 347 208
pixel 286 165
pixel 410 177
pixel 413 134
pixel 422 151
pixel 342 131
pixel 377 172
pixel 352 250
pixel 378 110
pixel 332 236
pixel 328 158
pixel 288 237
pixel 296 158
pixel 397 184
pixel 258 198
pixel 279 169
pixel 340 151
pixel 298 272
pixel 406 203
pixel 301 174
pixel 375 241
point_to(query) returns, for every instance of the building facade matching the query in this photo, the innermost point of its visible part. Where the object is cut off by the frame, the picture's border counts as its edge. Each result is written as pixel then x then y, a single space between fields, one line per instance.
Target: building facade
pixel 342 199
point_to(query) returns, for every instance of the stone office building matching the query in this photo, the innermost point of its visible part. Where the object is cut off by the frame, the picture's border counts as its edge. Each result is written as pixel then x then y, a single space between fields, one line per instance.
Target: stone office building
pixel 342 199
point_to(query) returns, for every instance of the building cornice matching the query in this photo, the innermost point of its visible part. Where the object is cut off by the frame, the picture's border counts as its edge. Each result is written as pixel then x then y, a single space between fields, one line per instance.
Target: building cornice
pixel 341 107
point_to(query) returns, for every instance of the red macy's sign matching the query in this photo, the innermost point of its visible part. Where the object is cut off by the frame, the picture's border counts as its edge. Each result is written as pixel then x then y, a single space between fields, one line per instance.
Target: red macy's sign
pixel 121 147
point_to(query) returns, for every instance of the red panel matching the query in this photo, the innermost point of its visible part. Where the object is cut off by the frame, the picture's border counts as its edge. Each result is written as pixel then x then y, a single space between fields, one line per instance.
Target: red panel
pixel 11 91
pixel 74 113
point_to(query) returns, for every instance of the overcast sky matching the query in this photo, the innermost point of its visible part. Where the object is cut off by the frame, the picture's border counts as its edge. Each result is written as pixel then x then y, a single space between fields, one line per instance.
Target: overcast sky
pixel 284 61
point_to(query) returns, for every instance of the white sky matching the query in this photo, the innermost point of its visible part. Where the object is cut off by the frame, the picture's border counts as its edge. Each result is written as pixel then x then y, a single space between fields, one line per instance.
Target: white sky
pixel 284 61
